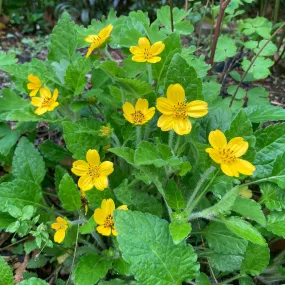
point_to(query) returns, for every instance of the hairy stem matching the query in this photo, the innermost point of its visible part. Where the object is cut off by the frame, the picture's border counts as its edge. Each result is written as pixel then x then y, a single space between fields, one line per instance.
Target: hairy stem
pixel 138 134
pixel 171 15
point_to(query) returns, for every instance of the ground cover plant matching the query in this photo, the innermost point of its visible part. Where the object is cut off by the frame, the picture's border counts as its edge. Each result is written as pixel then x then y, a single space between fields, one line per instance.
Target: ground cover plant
pixel 139 171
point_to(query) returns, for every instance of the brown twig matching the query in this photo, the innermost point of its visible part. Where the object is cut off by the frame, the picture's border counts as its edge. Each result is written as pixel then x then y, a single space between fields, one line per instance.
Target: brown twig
pixel 223 6
pixel 253 60
pixel 18 277
pixel 171 15
pixel 186 5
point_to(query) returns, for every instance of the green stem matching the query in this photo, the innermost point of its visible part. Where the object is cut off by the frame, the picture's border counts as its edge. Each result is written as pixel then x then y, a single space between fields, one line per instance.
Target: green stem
pixel 230 280
pixel 177 144
pixel 98 239
pixel 99 110
pixel 191 205
pixel 115 140
pixel 149 69
pixel 276 11
pixel 170 138
pixel 108 54
pixel 12 244
pixel 146 131
pixel 138 134
pixel 261 180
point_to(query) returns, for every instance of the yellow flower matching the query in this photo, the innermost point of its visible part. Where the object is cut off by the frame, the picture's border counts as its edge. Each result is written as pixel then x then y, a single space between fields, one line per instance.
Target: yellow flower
pixel 104 217
pixel 175 111
pixel 146 53
pixel 140 114
pixel 34 85
pixel 92 172
pixel 227 154
pixel 61 226
pixel 105 131
pixel 97 41
pixel 45 102
pixel 245 192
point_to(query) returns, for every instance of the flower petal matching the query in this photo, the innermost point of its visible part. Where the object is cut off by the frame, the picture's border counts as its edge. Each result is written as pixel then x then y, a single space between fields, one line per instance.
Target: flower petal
pixel 129 118
pixel 141 105
pixel 80 167
pixel 100 216
pixel 114 232
pixel 55 95
pixel 61 220
pixel 197 109
pixel 108 205
pixel 214 155
pixel 154 59
pixel 165 106
pixel 138 58
pixel 59 236
pixel 101 183
pixel 34 92
pixel 123 207
pixel 32 86
pixel 93 157
pixel 91 48
pixel 175 93
pixel 90 39
pixel 244 167
pixel 53 106
pixel 128 108
pixel 106 168
pixel 104 231
pixel 85 182
pixel 105 32
pixel 55 226
pixel 41 110
pixel 238 146
pixel 182 127
pixel 229 170
pixel 45 93
pixel 144 43
pixel 149 114
pixel 165 122
pixel 217 139
pixel 157 48
pixel 136 50
pixel 36 101
pixel 34 79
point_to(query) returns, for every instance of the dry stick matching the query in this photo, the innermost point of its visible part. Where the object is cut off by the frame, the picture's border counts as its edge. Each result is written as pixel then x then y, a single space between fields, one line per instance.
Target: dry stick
pixel 171 15
pixel 186 6
pixel 253 60
pixel 223 6
pixel 280 57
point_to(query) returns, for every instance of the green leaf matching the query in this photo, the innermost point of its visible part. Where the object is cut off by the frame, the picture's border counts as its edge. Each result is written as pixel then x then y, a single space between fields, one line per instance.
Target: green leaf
pixel 250 209
pixel 240 93
pixel 258 96
pixel 278 171
pixel 174 196
pixel 202 279
pixel 270 143
pixel 20 193
pixel 256 259
pixel 29 246
pixel 138 198
pixel 244 230
pixel 7 59
pixel 276 223
pixel 63 40
pixel 11 101
pixel 28 164
pixel 59 173
pixel 53 151
pixel 69 194
pixel 33 281
pixel 262 114
pixel 180 72
pixel 258 25
pixel 60 69
pixel 5 273
pixel 82 135
pixel 88 227
pixel 8 141
pixel 145 242
pixel 269 50
pixel 225 48
pixel 179 230
pixel 95 197
pixel 5 219
pixel 124 152
pixel 75 77
pixel 90 269
pixel 246 280
pixel 223 241
pixel 225 263
pixel 37 261
pixel 272 196
pixel 260 68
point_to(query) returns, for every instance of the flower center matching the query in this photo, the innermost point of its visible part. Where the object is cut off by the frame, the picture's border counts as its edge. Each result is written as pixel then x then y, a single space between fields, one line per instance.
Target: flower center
pixel 227 156
pixel 93 171
pixel 96 39
pixel 180 111
pixel 138 117
pixel 47 102
pixel 147 53
pixel 109 222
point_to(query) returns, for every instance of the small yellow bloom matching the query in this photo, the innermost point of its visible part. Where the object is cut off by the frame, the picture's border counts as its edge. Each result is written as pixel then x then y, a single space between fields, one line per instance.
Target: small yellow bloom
pixel 92 172
pixel 46 102
pixel 105 131
pixel 146 53
pixel 61 226
pixel 140 114
pixel 106 147
pixel 34 85
pixel 97 41
pixel 104 217
pixel 245 192
pixel 227 154
pixel 175 111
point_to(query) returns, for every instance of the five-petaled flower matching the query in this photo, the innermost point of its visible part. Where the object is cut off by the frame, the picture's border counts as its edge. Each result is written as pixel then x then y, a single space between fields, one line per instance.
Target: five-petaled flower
pixel 46 102
pixel 146 53
pixel 140 114
pixel 104 217
pixel 60 226
pixel 92 172
pixel 227 154
pixel 175 111
pixel 97 41
pixel 35 84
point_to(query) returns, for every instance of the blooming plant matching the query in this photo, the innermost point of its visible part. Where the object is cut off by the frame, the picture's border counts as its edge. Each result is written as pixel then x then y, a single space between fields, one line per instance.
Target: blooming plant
pixel 140 172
